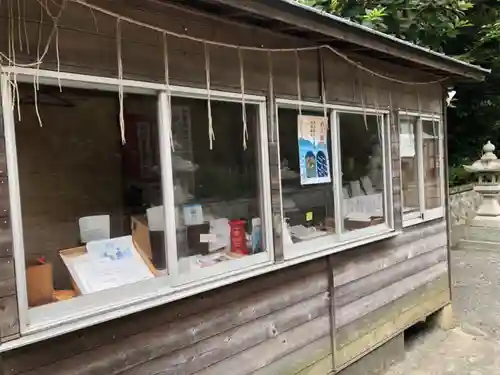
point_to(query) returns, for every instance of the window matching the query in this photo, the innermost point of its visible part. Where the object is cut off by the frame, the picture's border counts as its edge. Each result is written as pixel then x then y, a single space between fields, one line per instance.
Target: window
pixel 362 161
pixel 421 170
pixel 85 198
pixel 218 192
pixel 88 208
pixel 106 223
pixel 308 202
pixel 333 176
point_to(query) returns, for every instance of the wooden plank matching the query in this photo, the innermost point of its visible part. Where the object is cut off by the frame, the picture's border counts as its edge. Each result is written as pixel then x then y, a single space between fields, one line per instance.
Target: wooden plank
pixel 388 329
pixel 260 356
pixel 7 277
pixel 335 30
pixel 5 244
pixel 300 359
pixel 380 359
pixel 9 321
pixel 322 367
pixel 3 158
pixel 180 333
pixel 360 266
pixel 360 327
pixel 355 310
pixel 4 197
pixel 238 340
pixel 388 276
pixel 195 312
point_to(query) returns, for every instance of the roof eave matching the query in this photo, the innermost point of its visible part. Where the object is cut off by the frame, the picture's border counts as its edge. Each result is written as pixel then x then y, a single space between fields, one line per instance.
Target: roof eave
pixel 338 28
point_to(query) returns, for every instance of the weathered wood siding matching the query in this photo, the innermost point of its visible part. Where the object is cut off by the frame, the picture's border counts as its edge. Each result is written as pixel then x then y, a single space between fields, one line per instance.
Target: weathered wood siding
pixel 308 319
pixel 143 59
pixel 277 323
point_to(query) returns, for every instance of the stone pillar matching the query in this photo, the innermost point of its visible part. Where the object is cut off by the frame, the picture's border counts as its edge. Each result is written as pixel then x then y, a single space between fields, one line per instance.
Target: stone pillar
pixel 484 230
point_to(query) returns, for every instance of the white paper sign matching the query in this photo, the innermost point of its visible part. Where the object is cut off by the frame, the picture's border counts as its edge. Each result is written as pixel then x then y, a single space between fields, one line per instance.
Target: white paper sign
pixel 193 214
pixel 207 237
pixel 407 145
pixel 108 264
pixel 156 218
pixel 94 228
pixel 365 204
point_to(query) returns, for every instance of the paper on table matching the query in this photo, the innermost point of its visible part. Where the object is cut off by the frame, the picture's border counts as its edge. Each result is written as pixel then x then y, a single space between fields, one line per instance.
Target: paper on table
pixel 156 218
pixel 368 204
pixel 109 264
pixel 94 228
pixel 193 214
pixel 220 228
pixel 303 233
pixel 359 216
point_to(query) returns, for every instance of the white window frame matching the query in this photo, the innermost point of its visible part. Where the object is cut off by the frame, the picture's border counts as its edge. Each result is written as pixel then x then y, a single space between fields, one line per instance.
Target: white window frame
pixel 265 257
pixel 341 241
pixel 51 320
pixel 425 214
pixel 65 316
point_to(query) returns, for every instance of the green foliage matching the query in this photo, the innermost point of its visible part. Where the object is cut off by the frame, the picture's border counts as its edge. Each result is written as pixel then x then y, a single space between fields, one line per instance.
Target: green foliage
pixel 459 176
pixel 426 22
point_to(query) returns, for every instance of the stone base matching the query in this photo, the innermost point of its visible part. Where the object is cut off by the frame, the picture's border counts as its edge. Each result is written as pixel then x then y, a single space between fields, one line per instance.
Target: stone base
pixel 443 318
pixel 480 238
pixel 486 222
pixel 478 245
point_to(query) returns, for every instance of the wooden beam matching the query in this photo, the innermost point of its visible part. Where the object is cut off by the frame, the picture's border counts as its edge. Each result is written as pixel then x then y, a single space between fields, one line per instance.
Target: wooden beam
pixel 315 22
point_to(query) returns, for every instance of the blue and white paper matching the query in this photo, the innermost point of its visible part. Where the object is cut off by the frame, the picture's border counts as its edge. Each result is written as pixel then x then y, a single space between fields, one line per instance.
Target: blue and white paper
pixel 313 150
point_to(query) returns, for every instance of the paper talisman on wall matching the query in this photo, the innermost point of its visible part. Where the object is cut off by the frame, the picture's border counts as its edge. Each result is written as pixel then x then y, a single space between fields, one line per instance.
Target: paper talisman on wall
pixel 313 150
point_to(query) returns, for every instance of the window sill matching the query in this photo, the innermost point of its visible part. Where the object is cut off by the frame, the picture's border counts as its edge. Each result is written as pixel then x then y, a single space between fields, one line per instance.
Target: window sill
pixel 336 243
pixel 434 214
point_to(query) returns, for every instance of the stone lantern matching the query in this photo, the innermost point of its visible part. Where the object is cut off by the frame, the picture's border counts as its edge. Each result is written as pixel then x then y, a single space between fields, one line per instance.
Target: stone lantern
pixel 484 230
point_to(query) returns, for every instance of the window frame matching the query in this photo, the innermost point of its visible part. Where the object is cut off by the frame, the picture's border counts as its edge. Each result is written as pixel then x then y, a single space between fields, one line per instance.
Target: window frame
pixel 424 214
pixel 37 325
pixel 340 241
pixel 265 257
pixel 96 307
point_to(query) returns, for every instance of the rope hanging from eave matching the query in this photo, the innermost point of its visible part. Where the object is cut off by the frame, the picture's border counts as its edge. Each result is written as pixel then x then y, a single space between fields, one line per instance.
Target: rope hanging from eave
pixel 169 94
pixel 93 7
pixel 120 77
pixel 243 104
pixel 211 134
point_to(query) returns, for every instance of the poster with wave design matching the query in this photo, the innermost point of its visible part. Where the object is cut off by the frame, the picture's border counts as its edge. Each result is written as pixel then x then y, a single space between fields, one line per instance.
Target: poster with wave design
pixel 314 160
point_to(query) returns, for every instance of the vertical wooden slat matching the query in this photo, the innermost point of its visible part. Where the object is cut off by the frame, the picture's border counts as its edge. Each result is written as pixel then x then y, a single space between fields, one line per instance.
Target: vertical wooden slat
pixel 396 170
pixel 447 188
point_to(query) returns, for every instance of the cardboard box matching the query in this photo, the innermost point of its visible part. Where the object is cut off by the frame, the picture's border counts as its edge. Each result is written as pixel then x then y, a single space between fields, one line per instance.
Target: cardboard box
pixel 40 284
pixel 140 234
pixel 79 251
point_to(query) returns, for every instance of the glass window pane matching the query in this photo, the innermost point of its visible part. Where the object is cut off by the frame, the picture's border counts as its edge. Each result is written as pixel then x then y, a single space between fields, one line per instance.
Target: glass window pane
pixel 308 209
pixel 84 194
pixel 362 170
pixel 409 164
pixel 219 214
pixel 432 169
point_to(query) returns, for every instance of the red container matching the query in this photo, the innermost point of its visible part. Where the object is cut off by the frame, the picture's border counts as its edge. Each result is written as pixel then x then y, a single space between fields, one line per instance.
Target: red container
pixel 238 237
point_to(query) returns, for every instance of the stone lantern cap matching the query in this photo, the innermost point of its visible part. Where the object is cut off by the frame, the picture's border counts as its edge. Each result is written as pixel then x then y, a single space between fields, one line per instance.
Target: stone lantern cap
pixel 488 162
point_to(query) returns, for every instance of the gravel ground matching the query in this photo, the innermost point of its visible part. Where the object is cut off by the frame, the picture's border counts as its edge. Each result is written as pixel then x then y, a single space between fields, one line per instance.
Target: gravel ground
pixel 473 347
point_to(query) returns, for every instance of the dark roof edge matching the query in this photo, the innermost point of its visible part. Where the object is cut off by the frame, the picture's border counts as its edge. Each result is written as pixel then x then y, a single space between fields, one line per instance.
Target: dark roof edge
pixel 309 18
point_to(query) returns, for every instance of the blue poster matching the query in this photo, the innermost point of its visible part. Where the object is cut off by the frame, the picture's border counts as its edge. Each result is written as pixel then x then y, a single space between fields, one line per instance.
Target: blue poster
pixel 313 150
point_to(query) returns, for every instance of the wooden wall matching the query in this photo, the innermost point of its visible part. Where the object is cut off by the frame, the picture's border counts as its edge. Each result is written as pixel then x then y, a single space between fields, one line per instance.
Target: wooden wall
pixel 308 319
pixel 280 323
